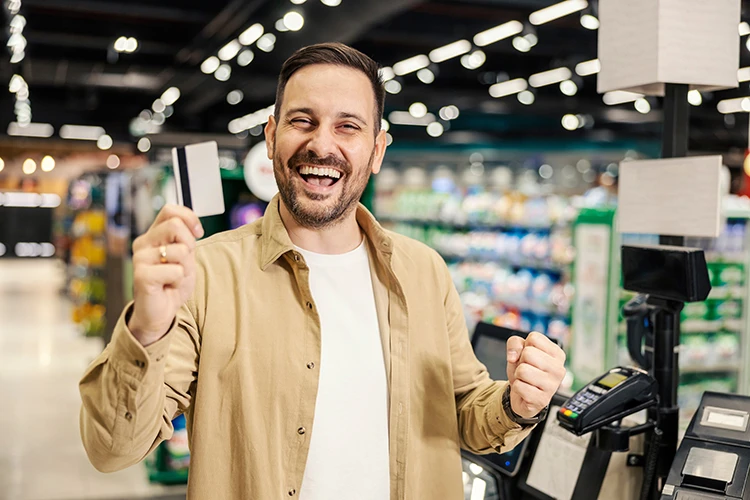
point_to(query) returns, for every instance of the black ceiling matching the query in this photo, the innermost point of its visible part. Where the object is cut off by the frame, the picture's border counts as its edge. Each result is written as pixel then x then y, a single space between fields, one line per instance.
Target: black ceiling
pixel 75 76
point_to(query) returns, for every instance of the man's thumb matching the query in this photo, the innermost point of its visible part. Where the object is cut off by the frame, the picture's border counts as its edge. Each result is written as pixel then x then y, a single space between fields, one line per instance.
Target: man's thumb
pixel 514 347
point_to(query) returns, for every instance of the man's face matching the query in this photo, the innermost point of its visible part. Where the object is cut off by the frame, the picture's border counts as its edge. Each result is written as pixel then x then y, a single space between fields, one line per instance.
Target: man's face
pixel 324 146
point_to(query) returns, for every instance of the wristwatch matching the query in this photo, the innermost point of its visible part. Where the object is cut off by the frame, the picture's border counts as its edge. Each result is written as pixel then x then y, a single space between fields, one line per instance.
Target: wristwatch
pixel 517 418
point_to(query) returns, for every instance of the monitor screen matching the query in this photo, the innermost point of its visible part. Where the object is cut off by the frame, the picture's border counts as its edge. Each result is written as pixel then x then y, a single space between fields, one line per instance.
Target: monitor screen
pixel 492 353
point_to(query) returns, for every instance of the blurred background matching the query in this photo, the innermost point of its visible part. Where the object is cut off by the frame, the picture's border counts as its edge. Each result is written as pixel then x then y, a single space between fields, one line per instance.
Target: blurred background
pixel 502 156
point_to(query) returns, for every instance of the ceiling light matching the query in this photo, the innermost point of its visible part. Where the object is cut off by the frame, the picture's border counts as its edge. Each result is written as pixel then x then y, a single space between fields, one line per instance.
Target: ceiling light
pixel 695 98
pixel 589 22
pixel 526 97
pixel 387 73
pixel 298 2
pixel 104 142
pixel 510 87
pixel 405 118
pixel 642 106
pixel 159 119
pixel 385 125
pixel 570 122
pixel 113 161
pixel 144 144
pixel 450 51
pixel 449 112
pixel 2 164
pixel 18 23
pixel 252 34
pixel 411 65
pixel 521 44
pixel 331 3
pixel 294 20
pixel 210 65
pixel 569 88
pixel 81 132
pixel 474 60
pixel 587 68
pixel 549 77
pixel 170 96
pixel 546 171
pixel 267 42
pixel 747 43
pixel 228 51
pixel 121 44
pixel 48 164
pixel 620 97
pixel 245 57
pixel 426 76
pixel 392 86
pixel 557 11
pixel 223 73
pixel 29 166
pixel 132 45
pixel 435 129
pixel 44 130
pixel 388 139
pixel 418 110
pixel 158 106
pixel 743 74
pixel 498 33
pixel 235 97
pixel 736 105
pixel 17 57
pixel 17 83
pixel 280 26
pixel 744 28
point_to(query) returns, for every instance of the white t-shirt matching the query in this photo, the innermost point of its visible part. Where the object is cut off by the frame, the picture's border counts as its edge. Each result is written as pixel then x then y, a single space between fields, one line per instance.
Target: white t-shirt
pixel 349 455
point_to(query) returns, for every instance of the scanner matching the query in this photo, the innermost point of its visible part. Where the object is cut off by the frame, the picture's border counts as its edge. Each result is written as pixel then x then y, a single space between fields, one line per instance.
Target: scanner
pixel 713 460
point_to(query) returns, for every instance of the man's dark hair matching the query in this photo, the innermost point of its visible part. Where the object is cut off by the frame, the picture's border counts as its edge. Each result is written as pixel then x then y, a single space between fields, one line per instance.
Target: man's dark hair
pixel 340 55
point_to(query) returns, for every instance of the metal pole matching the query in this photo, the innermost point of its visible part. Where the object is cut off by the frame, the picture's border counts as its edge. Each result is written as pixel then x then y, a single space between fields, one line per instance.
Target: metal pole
pixel 675 135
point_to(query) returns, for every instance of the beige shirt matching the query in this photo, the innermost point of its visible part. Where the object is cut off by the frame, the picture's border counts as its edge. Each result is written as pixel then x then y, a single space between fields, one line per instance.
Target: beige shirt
pixel 242 360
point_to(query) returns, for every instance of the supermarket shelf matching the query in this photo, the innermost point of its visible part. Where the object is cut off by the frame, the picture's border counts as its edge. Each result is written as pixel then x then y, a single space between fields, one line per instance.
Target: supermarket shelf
pixel 463 227
pixel 536 266
pixel 725 368
pixel 726 292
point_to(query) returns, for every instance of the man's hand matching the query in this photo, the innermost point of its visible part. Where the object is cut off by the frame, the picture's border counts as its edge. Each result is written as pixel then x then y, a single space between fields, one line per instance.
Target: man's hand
pixel 536 368
pixel 163 281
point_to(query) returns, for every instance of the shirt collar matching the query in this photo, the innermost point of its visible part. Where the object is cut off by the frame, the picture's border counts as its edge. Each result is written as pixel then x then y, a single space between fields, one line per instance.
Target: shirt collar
pixel 275 241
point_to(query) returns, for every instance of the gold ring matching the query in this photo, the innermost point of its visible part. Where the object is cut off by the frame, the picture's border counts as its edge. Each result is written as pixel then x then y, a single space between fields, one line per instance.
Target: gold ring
pixel 163 254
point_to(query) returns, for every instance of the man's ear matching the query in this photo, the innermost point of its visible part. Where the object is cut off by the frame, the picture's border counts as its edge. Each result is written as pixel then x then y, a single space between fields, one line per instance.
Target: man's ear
pixel 381 143
pixel 270 131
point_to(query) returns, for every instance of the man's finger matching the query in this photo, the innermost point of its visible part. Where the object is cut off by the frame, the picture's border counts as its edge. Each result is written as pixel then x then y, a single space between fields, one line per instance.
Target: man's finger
pixel 170 231
pixel 188 217
pixel 541 342
pixel 514 348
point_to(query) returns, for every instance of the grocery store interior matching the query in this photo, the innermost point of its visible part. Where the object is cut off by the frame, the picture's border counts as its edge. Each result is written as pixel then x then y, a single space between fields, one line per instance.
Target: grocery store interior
pixel 503 155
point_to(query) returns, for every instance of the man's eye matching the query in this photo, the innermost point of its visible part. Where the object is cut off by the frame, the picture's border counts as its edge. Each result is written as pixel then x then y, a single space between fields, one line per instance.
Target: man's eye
pixel 302 121
pixel 350 126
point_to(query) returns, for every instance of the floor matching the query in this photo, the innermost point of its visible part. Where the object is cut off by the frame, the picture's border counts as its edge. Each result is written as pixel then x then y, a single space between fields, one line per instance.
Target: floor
pixel 42 357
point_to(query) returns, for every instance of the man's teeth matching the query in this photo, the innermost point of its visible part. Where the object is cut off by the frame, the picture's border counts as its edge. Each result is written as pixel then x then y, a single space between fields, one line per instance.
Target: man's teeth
pixel 320 171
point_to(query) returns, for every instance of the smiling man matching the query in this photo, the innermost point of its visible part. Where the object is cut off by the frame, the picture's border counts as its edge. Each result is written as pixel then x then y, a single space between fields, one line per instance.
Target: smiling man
pixel 315 354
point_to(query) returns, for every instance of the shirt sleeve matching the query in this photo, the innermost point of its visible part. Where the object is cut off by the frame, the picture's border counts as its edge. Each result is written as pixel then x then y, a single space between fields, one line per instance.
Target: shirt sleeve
pixel 483 425
pixel 131 393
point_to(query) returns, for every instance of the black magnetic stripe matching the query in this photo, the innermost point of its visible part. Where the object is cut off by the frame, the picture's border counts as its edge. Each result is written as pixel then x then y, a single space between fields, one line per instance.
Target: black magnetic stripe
pixel 187 199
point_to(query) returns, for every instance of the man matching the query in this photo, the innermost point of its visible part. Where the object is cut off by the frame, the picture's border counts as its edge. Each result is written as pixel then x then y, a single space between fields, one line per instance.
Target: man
pixel 315 354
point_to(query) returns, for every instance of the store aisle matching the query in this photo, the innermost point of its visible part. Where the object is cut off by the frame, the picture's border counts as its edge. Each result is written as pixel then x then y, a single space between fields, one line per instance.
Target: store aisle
pixel 42 357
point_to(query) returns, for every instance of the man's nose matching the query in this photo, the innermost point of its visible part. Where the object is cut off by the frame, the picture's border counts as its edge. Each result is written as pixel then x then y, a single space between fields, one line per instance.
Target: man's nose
pixel 323 143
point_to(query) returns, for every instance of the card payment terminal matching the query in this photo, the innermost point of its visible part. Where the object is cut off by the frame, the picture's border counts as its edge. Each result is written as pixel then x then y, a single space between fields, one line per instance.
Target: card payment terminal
pixel 611 397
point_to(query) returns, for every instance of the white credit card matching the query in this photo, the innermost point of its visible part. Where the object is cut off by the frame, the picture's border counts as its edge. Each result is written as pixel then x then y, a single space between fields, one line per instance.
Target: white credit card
pixel 198 178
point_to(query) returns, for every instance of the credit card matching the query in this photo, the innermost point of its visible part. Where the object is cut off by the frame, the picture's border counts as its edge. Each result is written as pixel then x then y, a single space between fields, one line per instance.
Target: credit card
pixel 198 178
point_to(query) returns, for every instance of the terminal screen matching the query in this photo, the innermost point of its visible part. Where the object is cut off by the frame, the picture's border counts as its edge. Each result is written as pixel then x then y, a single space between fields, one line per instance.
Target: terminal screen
pixel 611 380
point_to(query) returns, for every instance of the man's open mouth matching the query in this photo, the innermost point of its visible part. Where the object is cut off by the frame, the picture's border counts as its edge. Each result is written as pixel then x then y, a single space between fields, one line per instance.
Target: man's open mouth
pixel 319 176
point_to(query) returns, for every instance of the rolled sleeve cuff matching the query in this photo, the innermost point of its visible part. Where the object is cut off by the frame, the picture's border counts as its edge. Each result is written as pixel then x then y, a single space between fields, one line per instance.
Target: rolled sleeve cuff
pixel 130 356
pixel 509 434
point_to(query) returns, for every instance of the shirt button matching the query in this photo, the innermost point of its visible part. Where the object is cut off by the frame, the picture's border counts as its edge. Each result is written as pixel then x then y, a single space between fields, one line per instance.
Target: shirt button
pixel 292 492
pixel 301 431
pixel 309 305
pixel 296 257
pixel 128 416
pixel 139 363
pixel 159 358
pixel 310 365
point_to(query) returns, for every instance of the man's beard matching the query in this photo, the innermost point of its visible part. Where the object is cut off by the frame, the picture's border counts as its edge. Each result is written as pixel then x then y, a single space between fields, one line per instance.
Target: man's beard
pixel 321 215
